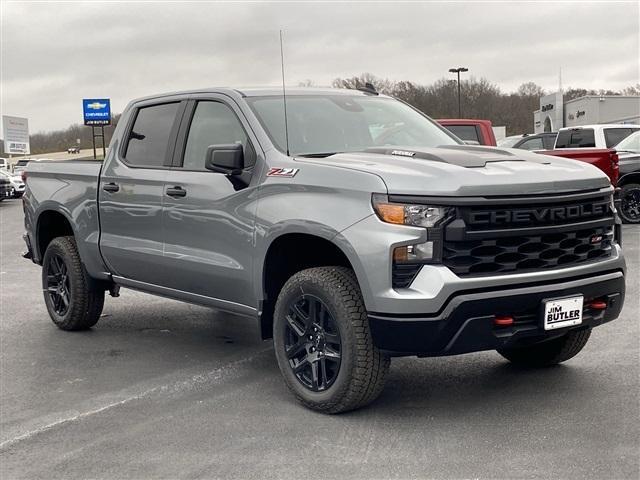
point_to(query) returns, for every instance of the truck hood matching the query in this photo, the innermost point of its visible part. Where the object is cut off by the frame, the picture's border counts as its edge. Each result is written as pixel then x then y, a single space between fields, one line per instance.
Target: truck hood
pixel 462 170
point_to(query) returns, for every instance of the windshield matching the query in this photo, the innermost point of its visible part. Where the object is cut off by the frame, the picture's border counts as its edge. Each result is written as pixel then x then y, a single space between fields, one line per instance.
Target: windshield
pixel 630 144
pixel 326 124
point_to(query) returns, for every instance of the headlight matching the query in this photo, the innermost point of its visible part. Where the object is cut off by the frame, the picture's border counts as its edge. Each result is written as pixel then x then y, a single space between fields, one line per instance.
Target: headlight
pixel 431 217
pixel 408 214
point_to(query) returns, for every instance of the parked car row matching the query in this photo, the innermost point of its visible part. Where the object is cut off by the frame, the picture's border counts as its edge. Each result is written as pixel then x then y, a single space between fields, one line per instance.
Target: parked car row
pixel 5 188
pixel 16 183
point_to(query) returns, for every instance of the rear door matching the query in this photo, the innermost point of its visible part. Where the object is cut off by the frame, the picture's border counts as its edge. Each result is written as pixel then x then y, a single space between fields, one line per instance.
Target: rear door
pixel 131 191
pixel 208 216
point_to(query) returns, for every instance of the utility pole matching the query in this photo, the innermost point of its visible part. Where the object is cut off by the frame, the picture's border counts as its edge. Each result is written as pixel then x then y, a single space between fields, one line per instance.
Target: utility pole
pixel 458 70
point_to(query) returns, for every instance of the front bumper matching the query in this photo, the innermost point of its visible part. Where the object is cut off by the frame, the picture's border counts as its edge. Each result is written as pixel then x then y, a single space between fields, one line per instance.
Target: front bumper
pixel 466 321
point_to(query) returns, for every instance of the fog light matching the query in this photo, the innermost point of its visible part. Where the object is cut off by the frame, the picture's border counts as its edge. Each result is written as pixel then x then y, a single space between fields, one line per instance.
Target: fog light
pixel 414 253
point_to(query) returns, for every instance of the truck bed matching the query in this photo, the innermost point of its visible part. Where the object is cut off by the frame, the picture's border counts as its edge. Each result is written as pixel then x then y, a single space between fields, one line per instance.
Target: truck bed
pixel 71 188
pixel 605 159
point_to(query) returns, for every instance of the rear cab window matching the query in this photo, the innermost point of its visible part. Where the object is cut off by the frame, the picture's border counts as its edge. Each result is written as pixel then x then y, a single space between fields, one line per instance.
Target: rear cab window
pixel 465 132
pixel 148 139
pixel 613 136
pixel 576 138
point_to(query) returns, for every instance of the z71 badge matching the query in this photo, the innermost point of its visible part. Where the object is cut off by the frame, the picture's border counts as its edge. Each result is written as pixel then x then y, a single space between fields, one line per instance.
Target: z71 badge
pixel 282 172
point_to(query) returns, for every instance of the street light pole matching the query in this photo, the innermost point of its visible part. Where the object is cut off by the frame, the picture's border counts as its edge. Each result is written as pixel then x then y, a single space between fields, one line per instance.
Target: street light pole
pixel 458 70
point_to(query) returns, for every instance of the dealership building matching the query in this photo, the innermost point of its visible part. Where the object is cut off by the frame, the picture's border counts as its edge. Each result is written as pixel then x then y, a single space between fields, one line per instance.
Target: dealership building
pixel 555 113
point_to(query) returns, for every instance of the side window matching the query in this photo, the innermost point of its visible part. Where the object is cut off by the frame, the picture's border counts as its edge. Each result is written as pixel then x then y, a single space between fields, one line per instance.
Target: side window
pixel 149 137
pixel 213 123
pixel 613 136
pixel 549 141
pixel 532 144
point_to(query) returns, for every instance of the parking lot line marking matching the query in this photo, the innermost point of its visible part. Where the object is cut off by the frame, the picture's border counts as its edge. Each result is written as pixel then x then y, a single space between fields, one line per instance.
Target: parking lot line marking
pixel 212 376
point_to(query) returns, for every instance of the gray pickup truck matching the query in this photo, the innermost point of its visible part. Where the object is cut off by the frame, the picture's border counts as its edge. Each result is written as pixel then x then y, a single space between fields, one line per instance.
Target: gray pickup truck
pixel 352 229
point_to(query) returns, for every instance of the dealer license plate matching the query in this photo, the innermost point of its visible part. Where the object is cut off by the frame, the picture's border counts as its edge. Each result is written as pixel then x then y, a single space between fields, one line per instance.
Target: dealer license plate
pixel 563 312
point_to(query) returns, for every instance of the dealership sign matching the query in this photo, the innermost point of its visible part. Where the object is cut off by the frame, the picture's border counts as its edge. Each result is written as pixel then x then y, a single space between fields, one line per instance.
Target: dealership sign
pixel 96 111
pixel 15 132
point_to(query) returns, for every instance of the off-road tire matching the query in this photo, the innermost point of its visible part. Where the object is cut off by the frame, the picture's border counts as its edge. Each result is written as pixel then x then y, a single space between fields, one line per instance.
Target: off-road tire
pixel 363 367
pixel 85 301
pixel 626 216
pixel 548 353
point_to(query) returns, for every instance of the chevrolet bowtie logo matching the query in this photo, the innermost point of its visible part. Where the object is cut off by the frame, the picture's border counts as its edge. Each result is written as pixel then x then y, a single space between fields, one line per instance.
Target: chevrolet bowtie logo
pixel 96 105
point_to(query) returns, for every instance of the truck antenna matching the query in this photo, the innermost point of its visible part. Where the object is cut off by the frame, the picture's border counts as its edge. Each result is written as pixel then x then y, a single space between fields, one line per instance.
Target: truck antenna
pixel 284 96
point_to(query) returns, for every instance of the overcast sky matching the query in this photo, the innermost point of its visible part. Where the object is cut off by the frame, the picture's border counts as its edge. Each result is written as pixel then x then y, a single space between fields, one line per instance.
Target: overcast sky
pixel 54 54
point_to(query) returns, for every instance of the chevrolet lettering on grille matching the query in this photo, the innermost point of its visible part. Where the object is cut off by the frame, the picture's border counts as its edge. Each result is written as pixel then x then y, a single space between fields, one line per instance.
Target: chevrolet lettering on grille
pixel 539 215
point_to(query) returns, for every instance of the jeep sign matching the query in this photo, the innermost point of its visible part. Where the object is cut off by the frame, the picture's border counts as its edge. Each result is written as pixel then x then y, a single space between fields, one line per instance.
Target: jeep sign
pixel 96 111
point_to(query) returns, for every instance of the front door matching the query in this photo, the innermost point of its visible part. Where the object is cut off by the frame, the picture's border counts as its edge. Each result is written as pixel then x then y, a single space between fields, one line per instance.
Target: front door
pixel 131 192
pixel 208 216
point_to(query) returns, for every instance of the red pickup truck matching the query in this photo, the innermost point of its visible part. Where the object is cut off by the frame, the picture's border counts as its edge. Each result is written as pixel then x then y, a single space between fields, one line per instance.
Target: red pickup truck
pixel 470 130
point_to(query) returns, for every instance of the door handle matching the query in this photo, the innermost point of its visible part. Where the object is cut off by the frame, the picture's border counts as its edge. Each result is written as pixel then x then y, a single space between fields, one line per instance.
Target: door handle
pixel 176 192
pixel 111 187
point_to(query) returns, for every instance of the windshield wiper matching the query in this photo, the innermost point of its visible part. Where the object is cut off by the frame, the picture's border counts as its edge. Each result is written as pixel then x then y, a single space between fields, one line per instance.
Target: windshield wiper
pixel 316 155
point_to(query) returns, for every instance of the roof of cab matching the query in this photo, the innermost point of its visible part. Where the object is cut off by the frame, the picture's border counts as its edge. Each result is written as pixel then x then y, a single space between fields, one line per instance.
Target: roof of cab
pixel 601 126
pixel 260 92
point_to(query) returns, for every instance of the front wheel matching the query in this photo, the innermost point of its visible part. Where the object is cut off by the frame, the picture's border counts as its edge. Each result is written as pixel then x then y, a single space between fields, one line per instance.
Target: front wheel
pixel 548 353
pixel 70 300
pixel 323 344
pixel 630 203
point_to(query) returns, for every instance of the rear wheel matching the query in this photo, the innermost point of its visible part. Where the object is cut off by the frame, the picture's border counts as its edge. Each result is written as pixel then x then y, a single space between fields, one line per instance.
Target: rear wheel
pixel 323 344
pixel 550 352
pixel 630 203
pixel 70 300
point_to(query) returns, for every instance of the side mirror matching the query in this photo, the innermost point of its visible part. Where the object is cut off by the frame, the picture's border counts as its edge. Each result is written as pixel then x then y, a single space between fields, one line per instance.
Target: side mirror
pixel 227 159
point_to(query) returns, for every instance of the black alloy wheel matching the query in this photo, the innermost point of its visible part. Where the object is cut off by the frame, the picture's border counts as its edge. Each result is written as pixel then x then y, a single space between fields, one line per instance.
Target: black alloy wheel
pixel 630 203
pixel 312 343
pixel 58 286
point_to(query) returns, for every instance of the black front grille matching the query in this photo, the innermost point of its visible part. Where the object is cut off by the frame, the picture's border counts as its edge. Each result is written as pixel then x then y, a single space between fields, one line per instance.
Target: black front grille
pixel 490 239
pixel 527 252
pixel 404 273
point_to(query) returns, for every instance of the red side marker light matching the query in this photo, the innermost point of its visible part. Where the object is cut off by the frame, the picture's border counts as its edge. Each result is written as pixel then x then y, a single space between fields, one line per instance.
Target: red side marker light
pixel 597 304
pixel 503 321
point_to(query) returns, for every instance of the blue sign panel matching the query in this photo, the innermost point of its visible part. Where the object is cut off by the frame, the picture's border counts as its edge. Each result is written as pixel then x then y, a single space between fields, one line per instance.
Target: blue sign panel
pixel 96 111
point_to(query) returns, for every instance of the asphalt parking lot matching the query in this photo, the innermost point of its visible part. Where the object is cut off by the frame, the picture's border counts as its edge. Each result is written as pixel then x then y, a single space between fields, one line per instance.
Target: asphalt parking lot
pixel 160 389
